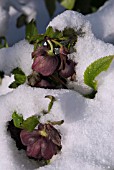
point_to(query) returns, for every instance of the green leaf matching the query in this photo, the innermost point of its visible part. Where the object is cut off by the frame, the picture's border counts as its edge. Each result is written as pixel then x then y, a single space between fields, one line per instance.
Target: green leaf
pixel 68 4
pixel 60 122
pixel 3 42
pixel 19 77
pixel 53 34
pixel 69 32
pixel 31 30
pixel 21 21
pixel 17 119
pixel 95 69
pixel 13 85
pixel 51 6
pixel 38 38
pixel 17 71
pixel 52 98
pixel 71 37
pixel 1 74
pixel 30 123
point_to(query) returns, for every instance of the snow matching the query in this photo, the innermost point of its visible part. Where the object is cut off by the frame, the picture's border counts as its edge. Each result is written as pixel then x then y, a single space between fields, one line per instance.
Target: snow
pixel 88 48
pixel 102 22
pixel 6 81
pixel 17 56
pixel 88 128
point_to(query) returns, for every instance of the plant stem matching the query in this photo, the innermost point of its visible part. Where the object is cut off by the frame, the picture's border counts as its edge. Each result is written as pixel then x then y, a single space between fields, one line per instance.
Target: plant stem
pixel 57 43
pixel 50 52
pixel 59 80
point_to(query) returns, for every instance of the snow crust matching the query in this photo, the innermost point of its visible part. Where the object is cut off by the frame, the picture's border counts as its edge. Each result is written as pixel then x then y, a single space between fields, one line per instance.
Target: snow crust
pixel 88 130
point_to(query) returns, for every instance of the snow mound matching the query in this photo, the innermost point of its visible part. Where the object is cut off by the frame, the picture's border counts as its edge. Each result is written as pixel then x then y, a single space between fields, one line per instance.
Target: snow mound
pixel 102 22
pixel 88 48
pixel 88 130
pixel 17 56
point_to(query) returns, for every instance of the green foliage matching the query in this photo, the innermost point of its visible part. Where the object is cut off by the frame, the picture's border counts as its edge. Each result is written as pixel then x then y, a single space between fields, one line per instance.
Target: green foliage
pixel 17 119
pixel 31 30
pixel 21 21
pixel 53 34
pixel 19 77
pixel 1 74
pixel 3 42
pixel 52 100
pixel 94 69
pixel 68 37
pixel 60 122
pixel 88 6
pixel 51 6
pixel 17 71
pixel 68 4
pixel 29 124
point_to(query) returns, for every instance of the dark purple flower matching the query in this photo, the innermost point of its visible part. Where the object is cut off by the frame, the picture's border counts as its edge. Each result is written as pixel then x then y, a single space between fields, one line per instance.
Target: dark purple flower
pixel 39 51
pixel 34 150
pixel 48 149
pixel 68 70
pixel 45 65
pixel 42 143
pixel 63 50
pixel 53 134
pixel 28 138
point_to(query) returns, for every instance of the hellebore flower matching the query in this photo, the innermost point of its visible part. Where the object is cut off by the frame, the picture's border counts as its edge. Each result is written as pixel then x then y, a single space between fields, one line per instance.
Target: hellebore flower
pixel 68 70
pixel 42 143
pixel 28 138
pixel 39 51
pixel 64 51
pixel 44 63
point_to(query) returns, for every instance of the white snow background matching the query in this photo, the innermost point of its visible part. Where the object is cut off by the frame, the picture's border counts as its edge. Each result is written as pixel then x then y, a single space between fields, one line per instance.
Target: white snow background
pixel 88 130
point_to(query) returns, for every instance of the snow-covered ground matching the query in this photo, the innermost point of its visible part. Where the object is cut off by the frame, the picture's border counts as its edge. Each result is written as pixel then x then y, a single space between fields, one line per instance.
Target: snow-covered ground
pixel 88 129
